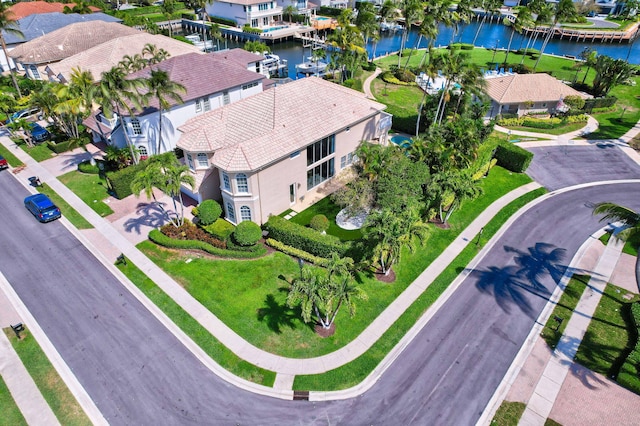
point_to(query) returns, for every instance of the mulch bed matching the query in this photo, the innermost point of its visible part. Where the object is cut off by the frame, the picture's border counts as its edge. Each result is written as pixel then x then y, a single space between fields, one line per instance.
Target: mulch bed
pixel 380 276
pixel 437 222
pixel 325 332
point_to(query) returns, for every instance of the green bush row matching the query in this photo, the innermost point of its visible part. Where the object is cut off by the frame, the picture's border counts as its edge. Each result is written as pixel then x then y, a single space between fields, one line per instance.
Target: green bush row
pixel 221 229
pixel 87 167
pixel 304 238
pixel 547 123
pixel 223 21
pixel 292 251
pixel 606 102
pixel 250 30
pixel 388 77
pixel 461 46
pixel 512 157
pixel 159 238
pixel 120 181
pixel 67 145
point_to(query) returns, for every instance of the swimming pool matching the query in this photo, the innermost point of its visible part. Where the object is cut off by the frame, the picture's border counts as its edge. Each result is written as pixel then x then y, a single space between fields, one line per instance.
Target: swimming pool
pixel 267 30
pixel 401 141
pixel 322 18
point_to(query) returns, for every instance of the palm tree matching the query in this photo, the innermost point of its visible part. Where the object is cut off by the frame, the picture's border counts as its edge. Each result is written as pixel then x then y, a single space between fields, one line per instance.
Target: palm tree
pixel 290 10
pixel 367 23
pixel 10 26
pixel 349 42
pixel 564 10
pixel 163 89
pixel 523 20
pixel 168 8
pixel 132 63
pixel 80 7
pixel 490 7
pixel 412 12
pixel 117 94
pixel 153 55
pixel 435 13
pixel 543 12
pixel 630 230
pixel 175 176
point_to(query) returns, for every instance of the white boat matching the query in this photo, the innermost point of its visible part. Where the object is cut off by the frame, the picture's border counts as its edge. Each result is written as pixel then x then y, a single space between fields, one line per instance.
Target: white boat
pixel 390 26
pixel 197 42
pixel 274 64
pixel 312 65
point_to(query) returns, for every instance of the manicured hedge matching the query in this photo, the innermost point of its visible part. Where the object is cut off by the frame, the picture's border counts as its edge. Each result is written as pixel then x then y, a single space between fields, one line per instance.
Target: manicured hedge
pixel 223 21
pixel 208 212
pixel 512 157
pixel 67 145
pixel 159 238
pixel 120 181
pixel 247 233
pixel 220 229
pixel 292 251
pixel 590 104
pixel 461 46
pixel 303 238
pixel 87 167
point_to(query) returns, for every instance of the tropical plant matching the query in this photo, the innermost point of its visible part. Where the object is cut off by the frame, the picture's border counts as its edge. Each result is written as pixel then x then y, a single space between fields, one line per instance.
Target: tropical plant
pixel 208 212
pixel 11 26
pixel 247 233
pixel 290 10
pixel 490 8
pixel 387 233
pixel 564 10
pixel 630 226
pixel 79 6
pixel 168 8
pixel 367 22
pixel 436 12
pixel 164 90
pixel 609 73
pixel 523 20
pixel 412 11
pixel 349 42
pixel 256 46
pixel 152 55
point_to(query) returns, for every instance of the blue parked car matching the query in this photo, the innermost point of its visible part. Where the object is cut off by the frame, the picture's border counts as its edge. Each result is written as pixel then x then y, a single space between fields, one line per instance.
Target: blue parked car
pixel 38 133
pixel 42 208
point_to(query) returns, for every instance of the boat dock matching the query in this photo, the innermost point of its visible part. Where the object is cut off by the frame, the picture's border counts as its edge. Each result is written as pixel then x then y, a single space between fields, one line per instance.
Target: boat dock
pixel 588 36
pixel 269 35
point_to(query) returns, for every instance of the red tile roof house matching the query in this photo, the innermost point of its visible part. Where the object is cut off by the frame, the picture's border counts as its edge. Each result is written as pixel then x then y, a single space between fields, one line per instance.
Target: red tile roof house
pixel 27 8
pixel 279 149
pixel 211 81
pixel 523 94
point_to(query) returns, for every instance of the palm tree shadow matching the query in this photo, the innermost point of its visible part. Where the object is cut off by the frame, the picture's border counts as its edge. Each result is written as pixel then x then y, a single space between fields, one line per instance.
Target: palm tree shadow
pixel 541 259
pixel 277 315
pixel 148 215
pixel 591 350
pixel 505 285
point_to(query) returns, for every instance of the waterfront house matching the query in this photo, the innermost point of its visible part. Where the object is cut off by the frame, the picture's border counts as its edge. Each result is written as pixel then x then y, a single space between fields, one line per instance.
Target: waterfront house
pixel 27 8
pixel 524 94
pixel 37 25
pixel 211 81
pixel 279 149
pixel 38 56
pixel 256 13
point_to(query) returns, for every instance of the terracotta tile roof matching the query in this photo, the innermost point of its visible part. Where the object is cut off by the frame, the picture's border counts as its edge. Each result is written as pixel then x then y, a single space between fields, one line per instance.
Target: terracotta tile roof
pixel 106 55
pixel 94 124
pixel 34 26
pixel 516 88
pixel 68 41
pixel 27 8
pixel 202 74
pixel 256 131
pixel 241 56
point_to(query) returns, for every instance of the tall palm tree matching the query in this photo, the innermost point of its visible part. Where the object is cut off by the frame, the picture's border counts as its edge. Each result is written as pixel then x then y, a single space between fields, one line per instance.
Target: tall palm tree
pixel 490 8
pixel 11 26
pixel 564 10
pixel 349 42
pixel 164 90
pixel 543 12
pixel 630 226
pixel 153 55
pixel 175 176
pixel 118 94
pixel 436 12
pixel 366 21
pixel 523 20
pixel 168 8
pixel 412 11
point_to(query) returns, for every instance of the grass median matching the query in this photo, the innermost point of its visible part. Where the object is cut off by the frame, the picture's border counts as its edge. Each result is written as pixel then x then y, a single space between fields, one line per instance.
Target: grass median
pixel 65 407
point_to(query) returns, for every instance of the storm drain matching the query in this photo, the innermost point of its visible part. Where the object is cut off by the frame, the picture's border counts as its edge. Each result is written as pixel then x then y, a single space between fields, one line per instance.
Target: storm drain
pixel 300 395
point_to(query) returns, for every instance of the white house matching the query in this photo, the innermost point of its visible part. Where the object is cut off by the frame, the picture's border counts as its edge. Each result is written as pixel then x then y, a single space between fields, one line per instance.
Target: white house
pixel 256 13
pixel 211 81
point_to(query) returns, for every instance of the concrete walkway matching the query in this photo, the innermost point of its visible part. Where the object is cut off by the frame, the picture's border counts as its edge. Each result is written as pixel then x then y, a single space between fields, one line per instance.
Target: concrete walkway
pixel 548 387
pixel 367 83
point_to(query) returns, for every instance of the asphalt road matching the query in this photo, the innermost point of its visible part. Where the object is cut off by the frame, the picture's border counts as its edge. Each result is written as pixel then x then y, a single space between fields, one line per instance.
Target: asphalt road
pixel 138 373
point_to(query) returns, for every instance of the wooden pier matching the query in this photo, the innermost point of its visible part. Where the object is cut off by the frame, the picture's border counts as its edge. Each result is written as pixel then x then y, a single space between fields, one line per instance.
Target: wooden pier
pixel 586 36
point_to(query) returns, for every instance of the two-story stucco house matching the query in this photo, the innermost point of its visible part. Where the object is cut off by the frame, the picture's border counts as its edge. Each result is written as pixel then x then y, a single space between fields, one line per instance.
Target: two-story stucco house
pixel 211 81
pixel 256 13
pixel 278 149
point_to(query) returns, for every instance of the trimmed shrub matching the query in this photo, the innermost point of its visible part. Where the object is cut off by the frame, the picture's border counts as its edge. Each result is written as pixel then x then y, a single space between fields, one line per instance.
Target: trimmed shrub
pixel 461 46
pixel 250 30
pixel 304 238
pixel 220 229
pixel 247 233
pixel 512 157
pixel 369 66
pixel 120 181
pixel 208 212
pixel 405 76
pixel 87 167
pixel 67 145
pixel 606 102
pixel 319 222
pixel 165 241
pixel 223 21
pixel 574 101
pixel 292 251
pixel 188 231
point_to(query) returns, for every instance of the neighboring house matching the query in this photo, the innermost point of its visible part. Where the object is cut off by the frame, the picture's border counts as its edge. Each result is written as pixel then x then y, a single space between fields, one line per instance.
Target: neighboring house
pixel 211 81
pixel 37 25
pixel 28 8
pixel 256 13
pixel 279 149
pixel 522 94
pixel 104 56
pixel 39 55
pixel 249 60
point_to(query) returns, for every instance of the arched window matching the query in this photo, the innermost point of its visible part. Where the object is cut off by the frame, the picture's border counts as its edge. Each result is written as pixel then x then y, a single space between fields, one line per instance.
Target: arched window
pixel 245 213
pixel 242 183
pixel 203 161
pixel 142 150
pixel 231 213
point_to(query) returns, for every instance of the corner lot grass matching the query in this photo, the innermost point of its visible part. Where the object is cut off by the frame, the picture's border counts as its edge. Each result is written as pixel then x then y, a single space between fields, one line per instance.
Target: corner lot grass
pixel 11 415
pixel 610 336
pixel 613 124
pixel 90 188
pixel 53 389
pixel 250 296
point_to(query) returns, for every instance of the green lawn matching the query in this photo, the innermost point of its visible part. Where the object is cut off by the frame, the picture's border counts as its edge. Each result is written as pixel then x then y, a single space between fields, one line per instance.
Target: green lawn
pixel 195 331
pixel 630 247
pixel 53 389
pixel 11 415
pixel 90 188
pixel 330 210
pixel 67 211
pixel 508 414
pixel 610 335
pixel 250 296
pixel 613 124
pixel 556 131
pixel 38 152
pixel 8 155
pixel 551 333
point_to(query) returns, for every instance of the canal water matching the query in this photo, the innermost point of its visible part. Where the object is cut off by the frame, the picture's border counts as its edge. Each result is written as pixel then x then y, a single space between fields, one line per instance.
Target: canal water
pixel 492 35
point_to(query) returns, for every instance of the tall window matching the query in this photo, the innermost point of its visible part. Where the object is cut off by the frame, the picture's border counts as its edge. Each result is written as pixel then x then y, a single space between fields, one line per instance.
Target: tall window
pixel 207 104
pixel 226 100
pixel 242 183
pixel 142 150
pixel 318 174
pixel 245 213
pixel 320 150
pixel 135 125
pixel 225 182
pixel 198 105
pixel 34 72
pixel 190 161
pixel 231 213
pixel 203 161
